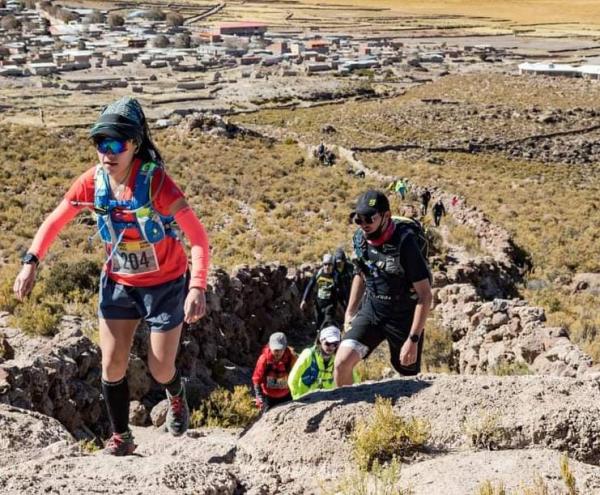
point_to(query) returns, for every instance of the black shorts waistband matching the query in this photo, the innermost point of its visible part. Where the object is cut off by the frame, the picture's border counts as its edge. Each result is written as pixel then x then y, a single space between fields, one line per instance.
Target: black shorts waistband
pixel 382 297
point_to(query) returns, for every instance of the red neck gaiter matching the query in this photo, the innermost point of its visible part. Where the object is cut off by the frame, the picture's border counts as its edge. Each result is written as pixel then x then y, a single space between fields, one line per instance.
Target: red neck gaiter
pixel 385 236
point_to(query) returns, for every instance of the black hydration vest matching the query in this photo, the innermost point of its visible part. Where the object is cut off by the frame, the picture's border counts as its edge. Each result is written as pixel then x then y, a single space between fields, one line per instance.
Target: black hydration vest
pixel 385 276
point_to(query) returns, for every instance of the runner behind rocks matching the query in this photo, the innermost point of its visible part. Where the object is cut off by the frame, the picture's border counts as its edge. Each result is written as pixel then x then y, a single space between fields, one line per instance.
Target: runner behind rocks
pixel 345 273
pixel 326 282
pixel 314 368
pixel 270 377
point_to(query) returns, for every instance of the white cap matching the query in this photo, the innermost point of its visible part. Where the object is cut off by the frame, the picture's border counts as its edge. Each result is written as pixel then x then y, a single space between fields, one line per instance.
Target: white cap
pixel 327 259
pixel 330 334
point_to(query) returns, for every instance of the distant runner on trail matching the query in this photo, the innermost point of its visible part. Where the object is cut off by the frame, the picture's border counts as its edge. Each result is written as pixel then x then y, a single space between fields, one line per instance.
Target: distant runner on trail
pixel 438 211
pixel 326 282
pixel 425 198
pixel 394 278
pixel 138 209
pixel 401 188
pixel 270 377
pixel 314 368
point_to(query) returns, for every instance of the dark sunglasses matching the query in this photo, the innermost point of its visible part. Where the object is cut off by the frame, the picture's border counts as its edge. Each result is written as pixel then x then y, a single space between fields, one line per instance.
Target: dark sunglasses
pixel 112 146
pixel 331 344
pixel 362 220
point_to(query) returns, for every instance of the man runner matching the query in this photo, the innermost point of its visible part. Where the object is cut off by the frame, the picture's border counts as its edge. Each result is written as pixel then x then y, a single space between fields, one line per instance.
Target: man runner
pixel 394 277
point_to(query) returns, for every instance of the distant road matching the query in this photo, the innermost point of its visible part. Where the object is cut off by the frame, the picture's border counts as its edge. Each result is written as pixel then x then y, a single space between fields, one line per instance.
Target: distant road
pixel 204 15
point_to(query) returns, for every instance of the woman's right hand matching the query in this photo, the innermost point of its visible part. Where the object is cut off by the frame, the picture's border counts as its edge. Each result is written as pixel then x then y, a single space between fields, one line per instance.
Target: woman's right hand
pixel 24 281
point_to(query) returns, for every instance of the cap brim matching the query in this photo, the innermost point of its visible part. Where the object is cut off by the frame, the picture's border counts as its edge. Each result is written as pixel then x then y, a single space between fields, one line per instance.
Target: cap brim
pixel 109 132
pixel 276 347
pixel 330 340
pixel 368 211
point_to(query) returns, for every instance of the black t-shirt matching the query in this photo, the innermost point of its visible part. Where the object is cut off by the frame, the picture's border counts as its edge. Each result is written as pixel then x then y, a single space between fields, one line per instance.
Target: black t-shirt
pixel 395 293
pixel 412 260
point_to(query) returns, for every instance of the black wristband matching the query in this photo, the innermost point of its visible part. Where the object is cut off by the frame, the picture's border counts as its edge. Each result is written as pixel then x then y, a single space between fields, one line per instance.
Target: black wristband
pixel 30 259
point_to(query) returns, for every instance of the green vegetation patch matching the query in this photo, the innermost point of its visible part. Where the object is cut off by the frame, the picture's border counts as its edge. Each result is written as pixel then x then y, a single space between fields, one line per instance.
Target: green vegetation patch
pixel 226 409
pixel 385 436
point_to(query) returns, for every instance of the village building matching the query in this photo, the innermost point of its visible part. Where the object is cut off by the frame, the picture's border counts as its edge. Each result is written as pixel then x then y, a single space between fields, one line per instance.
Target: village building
pixel 43 68
pixel 242 29
pixel 549 69
pixel 317 45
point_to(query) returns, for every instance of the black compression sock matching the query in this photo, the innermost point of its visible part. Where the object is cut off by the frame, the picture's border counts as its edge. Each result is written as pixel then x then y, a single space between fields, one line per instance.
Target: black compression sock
pixel 174 386
pixel 116 396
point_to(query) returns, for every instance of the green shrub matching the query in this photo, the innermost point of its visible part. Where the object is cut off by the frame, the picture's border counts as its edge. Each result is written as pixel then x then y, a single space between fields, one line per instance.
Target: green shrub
pixel 567 475
pixel 382 480
pixel 437 348
pixel 88 446
pixel 70 279
pixel 226 409
pixel 505 368
pixel 487 488
pixel 8 302
pixel 483 430
pixel 35 318
pixel 385 436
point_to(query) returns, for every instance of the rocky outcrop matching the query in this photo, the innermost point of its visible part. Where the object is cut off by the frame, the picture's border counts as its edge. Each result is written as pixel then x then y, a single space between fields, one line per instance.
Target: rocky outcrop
pixel 501 429
pixel 491 335
pixel 60 377
pixel 516 412
pixel 25 433
pixel 586 282
pixel 215 125
pixel 548 135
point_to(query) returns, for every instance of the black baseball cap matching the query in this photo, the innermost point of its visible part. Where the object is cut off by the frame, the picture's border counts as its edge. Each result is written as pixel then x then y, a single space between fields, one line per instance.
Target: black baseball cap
pixel 371 202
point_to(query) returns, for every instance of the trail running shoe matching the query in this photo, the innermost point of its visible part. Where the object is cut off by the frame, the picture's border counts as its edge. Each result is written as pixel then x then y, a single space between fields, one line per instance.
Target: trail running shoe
pixel 178 415
pixel 120 444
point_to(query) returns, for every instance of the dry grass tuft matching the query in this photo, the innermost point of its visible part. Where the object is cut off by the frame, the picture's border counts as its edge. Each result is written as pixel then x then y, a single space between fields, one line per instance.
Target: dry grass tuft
pixel 385 436
pixel 226 409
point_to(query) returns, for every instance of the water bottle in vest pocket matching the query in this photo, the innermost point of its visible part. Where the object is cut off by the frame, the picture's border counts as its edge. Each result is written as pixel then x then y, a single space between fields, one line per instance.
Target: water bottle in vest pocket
pixel 151 227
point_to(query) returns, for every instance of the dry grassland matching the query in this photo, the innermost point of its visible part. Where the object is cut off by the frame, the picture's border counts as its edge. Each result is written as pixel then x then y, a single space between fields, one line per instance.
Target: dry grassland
pixel 519 11
pixel 374 123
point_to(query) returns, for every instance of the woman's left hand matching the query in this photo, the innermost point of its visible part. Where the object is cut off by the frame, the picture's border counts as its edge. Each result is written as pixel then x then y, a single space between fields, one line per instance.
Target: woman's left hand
pixel 195 305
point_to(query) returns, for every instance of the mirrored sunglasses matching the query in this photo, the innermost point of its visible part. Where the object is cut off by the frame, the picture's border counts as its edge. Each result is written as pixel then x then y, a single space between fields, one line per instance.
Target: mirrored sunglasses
pixel 361 220
pixel 112 146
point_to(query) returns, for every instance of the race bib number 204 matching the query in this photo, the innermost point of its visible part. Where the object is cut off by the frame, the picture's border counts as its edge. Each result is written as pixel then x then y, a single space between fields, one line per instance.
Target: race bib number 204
pixel 134 258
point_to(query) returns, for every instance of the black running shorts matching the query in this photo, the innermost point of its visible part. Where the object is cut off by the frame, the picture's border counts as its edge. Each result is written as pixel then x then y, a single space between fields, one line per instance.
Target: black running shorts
pixel 371 326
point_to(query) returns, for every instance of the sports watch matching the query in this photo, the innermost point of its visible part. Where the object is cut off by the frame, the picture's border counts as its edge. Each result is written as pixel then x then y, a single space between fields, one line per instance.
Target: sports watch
pixel 414 337
pixel 30 259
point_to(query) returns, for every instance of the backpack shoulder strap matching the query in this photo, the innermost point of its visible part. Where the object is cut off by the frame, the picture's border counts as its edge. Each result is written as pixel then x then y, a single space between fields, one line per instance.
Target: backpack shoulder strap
pixel 143 184
pixel 359 243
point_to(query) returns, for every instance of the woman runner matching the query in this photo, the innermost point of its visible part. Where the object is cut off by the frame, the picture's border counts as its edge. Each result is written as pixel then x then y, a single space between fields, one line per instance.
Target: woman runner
pixel 138 208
